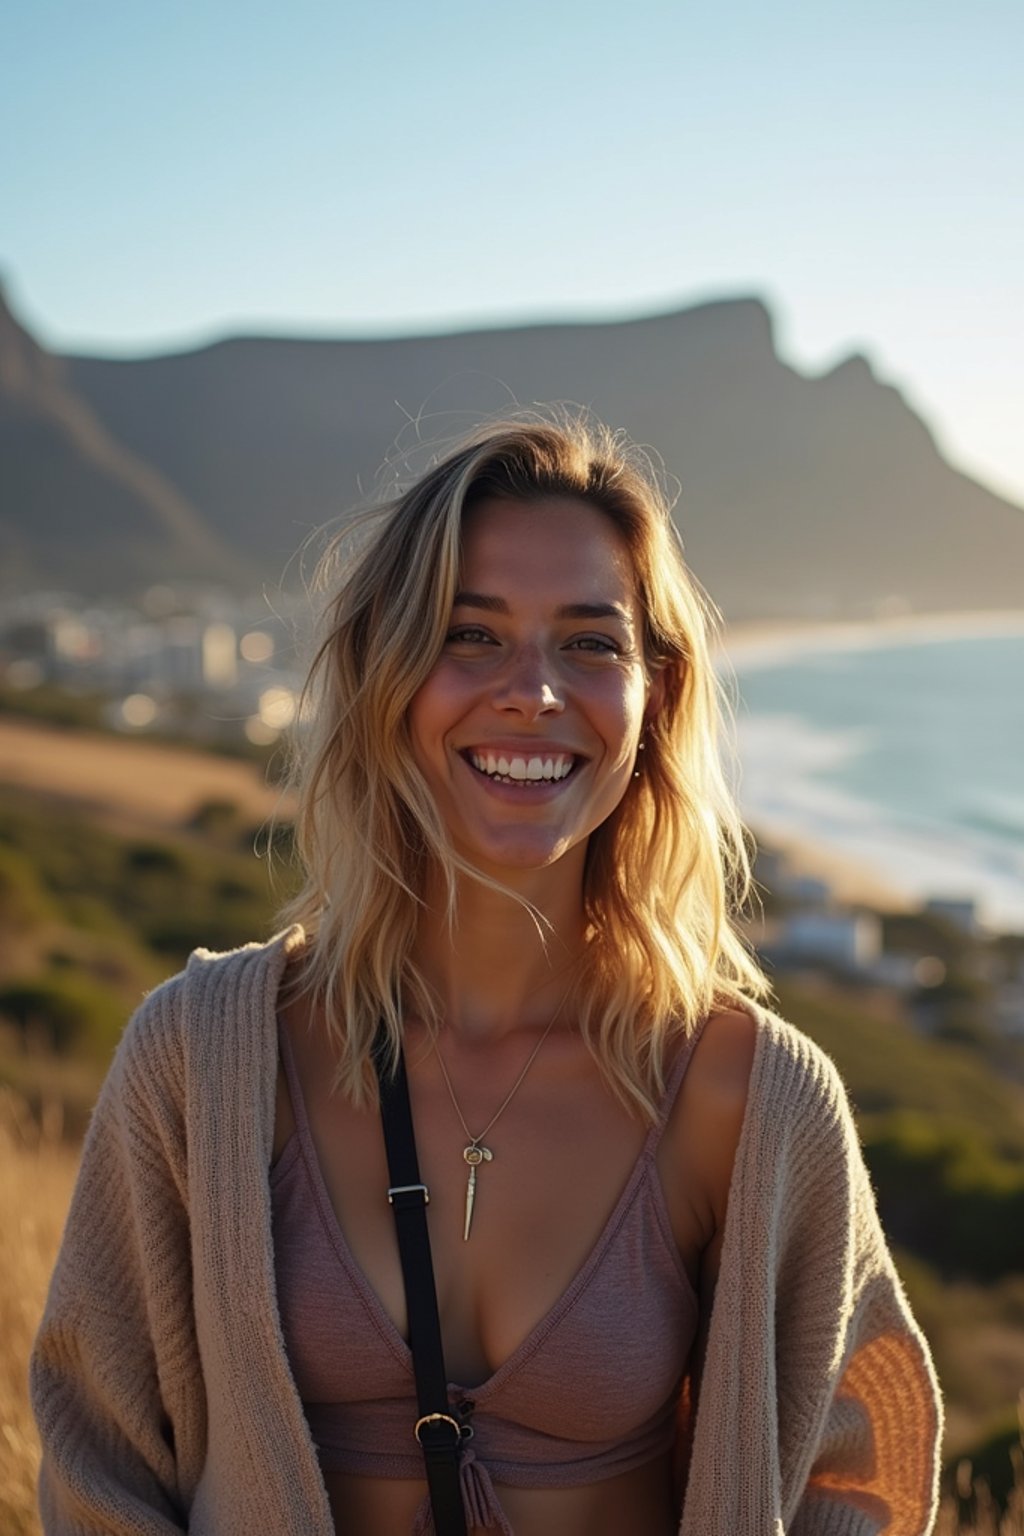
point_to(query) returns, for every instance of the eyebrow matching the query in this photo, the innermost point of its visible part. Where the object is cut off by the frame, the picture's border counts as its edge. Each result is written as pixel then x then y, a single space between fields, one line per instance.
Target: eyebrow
pixel 567 611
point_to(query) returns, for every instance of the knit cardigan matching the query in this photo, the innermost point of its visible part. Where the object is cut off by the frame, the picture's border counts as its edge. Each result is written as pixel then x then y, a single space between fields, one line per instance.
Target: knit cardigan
pixel 160 1380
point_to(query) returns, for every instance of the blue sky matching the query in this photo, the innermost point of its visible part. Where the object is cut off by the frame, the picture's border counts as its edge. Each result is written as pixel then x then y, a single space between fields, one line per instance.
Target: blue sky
pixel 172 173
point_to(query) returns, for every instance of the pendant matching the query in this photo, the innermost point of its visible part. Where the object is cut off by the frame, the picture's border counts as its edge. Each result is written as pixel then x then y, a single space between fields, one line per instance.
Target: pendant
pixel 474 1156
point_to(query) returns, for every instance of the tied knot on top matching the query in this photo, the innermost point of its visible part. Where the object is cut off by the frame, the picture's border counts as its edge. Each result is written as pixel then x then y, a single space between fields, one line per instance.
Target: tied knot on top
pixel 478 1497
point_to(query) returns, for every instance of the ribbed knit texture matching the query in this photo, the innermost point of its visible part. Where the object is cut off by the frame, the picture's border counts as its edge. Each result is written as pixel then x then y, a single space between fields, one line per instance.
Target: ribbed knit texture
pixel 160 1381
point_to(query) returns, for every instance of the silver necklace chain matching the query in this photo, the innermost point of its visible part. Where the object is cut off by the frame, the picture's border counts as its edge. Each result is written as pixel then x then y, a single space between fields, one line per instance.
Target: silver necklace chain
pixel 506 1101
pixel 475 1153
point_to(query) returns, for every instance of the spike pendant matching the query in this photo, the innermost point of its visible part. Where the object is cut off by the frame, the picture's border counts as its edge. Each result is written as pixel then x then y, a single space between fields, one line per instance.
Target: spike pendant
pixel 474 1154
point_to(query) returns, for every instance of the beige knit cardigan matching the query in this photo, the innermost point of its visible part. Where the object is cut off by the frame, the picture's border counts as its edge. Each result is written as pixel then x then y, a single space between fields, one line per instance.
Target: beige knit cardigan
pixel 160 1380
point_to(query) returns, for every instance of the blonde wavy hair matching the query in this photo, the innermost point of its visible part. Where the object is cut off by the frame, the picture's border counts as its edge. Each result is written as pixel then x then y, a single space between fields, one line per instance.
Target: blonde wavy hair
pixel 666 875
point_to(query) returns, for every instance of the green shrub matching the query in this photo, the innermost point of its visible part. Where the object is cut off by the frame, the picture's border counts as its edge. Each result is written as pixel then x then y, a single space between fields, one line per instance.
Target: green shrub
pixel 888 1067
pixel 65 1013
pixel 154 859
pixel 23 903
pixel 944 1193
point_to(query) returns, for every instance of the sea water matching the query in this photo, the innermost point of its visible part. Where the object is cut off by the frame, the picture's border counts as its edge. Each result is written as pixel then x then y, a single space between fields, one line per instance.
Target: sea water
pixel 906 754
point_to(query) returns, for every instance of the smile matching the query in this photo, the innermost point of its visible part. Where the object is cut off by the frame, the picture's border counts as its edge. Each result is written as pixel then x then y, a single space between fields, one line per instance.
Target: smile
pixel 503 768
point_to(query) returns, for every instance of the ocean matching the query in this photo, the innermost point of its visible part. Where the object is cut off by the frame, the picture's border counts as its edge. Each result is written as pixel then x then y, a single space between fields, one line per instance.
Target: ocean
pixel 899 746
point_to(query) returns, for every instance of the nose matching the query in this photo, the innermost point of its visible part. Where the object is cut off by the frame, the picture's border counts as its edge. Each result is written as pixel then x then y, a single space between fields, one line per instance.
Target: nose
pixel 528 686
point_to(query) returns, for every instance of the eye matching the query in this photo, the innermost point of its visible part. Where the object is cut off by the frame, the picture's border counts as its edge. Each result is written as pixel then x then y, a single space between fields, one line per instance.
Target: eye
pixel 467 634
pixel 598 645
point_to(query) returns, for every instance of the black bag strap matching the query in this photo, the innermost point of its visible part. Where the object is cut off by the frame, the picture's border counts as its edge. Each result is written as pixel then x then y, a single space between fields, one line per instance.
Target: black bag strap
pixel 438 1431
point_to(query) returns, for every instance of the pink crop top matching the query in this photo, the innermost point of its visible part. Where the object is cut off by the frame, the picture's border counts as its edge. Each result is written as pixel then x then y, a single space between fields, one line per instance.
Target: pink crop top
pixel 589 1393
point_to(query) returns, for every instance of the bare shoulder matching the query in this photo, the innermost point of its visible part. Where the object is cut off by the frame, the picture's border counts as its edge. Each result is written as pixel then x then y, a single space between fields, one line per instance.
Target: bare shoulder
pixel 703 1139
pixel 723 1057
pixel 708 1118
pixel 716 1094
pixel 698 1151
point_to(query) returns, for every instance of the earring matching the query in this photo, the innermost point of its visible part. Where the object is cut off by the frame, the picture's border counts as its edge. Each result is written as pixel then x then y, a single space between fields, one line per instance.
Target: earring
pixel 641 746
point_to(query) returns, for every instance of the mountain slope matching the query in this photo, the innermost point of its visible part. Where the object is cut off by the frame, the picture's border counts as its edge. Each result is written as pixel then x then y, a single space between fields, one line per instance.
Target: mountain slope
pixel 77 508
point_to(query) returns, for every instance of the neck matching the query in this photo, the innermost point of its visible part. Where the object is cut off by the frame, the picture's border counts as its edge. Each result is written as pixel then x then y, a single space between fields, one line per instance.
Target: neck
pixel 501 969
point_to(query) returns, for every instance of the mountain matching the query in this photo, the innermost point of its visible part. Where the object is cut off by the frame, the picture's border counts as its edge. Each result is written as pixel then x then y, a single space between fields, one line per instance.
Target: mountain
pixel 78 509
pixel 800 496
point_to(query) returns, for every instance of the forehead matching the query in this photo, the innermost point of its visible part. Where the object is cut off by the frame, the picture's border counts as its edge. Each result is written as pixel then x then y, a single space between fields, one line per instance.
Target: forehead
pixel 554 545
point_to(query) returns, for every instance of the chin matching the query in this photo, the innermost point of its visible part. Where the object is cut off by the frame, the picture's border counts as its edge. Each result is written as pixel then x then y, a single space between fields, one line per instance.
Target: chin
pixel 516 856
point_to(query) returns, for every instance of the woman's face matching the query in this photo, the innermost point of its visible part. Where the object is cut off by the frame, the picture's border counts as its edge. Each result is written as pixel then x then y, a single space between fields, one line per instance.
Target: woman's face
pixel 527 728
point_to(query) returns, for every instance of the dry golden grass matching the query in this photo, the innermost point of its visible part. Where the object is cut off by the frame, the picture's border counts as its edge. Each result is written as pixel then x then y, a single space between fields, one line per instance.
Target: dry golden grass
pixel 129 783
pixel 36 1176
pixel 974 1512
pixel 37 1173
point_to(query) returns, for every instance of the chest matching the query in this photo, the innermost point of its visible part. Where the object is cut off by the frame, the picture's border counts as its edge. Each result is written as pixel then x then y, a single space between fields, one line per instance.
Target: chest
pixel 568 1165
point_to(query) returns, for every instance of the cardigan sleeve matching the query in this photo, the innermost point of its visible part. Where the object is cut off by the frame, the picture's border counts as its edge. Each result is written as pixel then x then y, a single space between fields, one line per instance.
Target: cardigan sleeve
pixel 819 1413
pixel 116 1351
pixel 859 1433
pixel 875 1462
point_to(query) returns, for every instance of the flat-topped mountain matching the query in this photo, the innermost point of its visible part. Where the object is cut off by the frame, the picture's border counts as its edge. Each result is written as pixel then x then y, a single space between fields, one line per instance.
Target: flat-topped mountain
pixel 800 496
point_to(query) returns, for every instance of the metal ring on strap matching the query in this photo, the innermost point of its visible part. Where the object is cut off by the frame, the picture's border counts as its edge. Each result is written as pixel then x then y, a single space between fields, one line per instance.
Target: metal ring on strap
pixel 437 1418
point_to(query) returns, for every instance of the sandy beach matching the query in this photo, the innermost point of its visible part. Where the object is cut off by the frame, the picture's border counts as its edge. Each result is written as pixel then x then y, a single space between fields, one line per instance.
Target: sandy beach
pixel 851 882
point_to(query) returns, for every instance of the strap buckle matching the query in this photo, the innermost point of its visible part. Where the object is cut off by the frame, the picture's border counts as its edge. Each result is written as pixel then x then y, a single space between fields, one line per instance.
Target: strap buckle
pixel 462 1430
pixel 408 1189
pixel 438 1418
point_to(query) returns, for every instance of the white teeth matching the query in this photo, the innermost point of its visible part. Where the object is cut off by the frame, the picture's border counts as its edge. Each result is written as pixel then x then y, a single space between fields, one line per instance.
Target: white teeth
pixel 521 769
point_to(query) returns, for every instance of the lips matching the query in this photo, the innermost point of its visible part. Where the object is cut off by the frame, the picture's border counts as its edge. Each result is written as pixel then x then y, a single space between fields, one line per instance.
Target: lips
pixel 508 767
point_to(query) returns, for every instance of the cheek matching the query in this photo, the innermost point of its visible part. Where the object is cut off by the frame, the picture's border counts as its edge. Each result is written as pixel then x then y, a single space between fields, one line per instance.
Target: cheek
pixel 625 706
pixel 417 722
pixel 432 713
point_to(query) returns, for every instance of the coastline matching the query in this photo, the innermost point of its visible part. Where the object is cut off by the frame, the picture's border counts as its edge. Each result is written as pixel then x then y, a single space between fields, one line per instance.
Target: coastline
pixel 866 856
pixel 745 646
pixel 852 882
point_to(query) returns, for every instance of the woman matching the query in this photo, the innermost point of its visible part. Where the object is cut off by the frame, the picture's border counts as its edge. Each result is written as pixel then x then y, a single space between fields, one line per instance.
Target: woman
pixel 664 1297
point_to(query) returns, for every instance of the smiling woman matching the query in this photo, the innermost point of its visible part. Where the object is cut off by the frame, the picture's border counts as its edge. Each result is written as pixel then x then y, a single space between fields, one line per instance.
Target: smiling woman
pixel 662 1293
